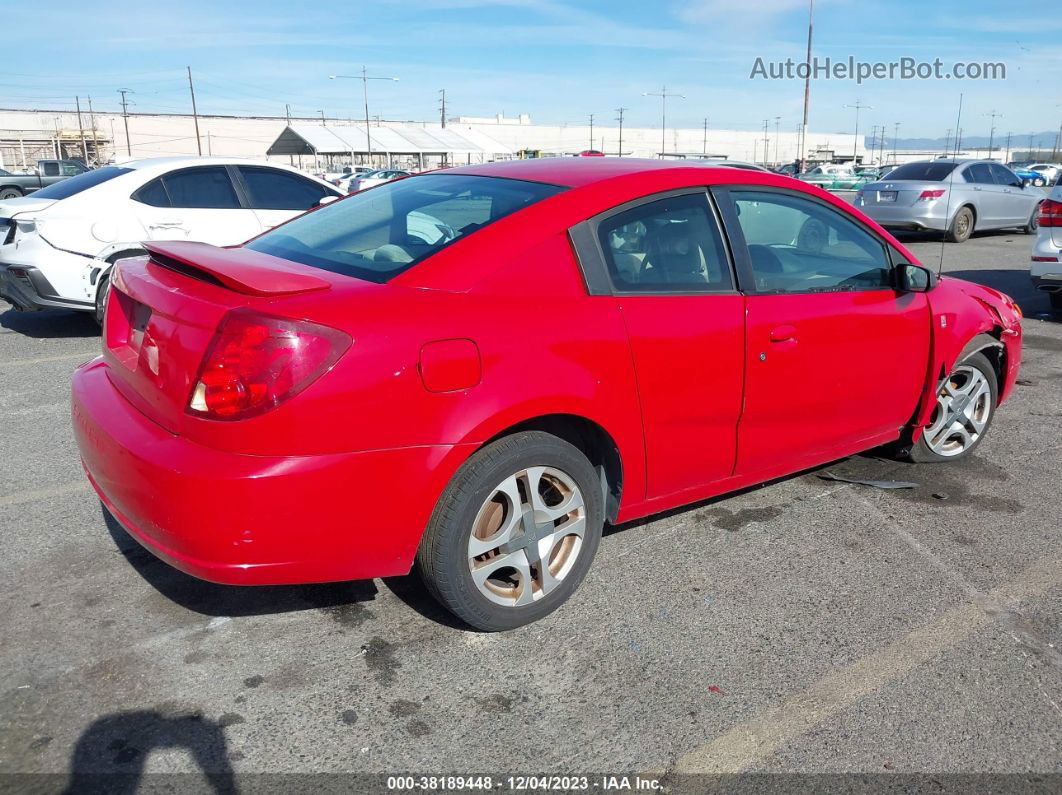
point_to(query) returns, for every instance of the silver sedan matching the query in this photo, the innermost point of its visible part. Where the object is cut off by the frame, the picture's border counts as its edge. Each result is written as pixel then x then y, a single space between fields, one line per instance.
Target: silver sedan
pixel 956 197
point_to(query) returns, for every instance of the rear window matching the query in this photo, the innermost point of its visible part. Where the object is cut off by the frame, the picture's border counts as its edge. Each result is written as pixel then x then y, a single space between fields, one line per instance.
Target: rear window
pixel 74 185
pixel 382 232
pixel 922 172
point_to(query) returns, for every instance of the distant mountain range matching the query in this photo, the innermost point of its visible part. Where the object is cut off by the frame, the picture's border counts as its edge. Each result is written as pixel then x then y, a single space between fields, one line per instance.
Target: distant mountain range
pixel 1041 140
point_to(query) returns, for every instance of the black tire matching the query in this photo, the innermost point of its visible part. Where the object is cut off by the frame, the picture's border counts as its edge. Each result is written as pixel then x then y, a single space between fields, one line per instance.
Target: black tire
pixel 962 226
pixel 1039 182
pixel 921 452
pixel 1056 300
pixel 10 193
pixel 443 557
pixel 1033 226
pixel 102 289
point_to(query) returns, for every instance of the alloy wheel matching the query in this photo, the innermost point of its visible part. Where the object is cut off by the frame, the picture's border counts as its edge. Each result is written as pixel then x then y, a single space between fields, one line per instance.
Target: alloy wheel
pixel 964 405
pixel 526 536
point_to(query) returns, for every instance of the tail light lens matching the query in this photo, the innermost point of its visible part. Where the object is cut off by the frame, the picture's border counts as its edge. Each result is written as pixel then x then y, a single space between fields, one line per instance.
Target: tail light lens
pixel 930 195
pixel 257 361
pixel 1051 213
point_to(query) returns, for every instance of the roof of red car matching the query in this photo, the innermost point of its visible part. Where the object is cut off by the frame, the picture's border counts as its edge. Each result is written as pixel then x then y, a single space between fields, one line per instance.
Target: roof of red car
pixel 572 172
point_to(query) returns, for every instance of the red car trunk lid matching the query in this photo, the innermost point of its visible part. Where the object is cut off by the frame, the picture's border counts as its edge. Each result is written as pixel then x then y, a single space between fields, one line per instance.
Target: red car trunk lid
pixel 164 310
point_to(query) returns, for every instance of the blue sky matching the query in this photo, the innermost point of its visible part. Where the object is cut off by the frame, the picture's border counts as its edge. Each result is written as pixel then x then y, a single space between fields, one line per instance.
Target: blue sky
pixel 558 60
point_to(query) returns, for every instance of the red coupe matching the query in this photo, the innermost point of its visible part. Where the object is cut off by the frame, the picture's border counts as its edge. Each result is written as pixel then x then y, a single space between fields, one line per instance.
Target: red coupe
pixel 473 370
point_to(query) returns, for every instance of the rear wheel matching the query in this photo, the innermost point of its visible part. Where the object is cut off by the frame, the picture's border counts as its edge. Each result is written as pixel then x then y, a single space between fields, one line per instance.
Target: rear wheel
pixel 514 533
pixel 102 289
pixel 962 226
pixel 1033 226
pixel 966 404
pixel 10 193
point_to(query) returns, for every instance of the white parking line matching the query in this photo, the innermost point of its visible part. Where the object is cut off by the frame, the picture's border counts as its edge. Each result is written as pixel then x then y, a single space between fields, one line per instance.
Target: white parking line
pixel 70 487
pixel 759 737
pixel 66 357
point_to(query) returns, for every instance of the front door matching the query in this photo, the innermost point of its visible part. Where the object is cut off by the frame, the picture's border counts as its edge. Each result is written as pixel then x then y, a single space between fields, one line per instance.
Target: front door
pixel 673 283
pixel 835 356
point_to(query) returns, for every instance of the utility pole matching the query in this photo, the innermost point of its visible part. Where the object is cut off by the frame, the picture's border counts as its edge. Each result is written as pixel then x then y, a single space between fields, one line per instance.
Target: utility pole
pixel 442 107
pixel 125 117
pixel 1058 145
pixel 620 120
pixel 322 118
pixel 992 132
pixel 777 136
pixel 195 114
pixel 663 114
pixel 591 130
pixel 364 77
pixel 81 130
pixel 807 91
pixel 947 142
pixel 766 142
pixel 1007 157
pixel 895 139
pixel 95 141
pixel 287 113
pixel 704 149
pixel 855 145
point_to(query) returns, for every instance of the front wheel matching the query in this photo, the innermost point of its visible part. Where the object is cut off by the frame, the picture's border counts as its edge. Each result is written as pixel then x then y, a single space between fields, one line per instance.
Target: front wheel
pixel 966 404
pixel 102 289
pixel 10 193
pixel 514 532
pixel 1033 226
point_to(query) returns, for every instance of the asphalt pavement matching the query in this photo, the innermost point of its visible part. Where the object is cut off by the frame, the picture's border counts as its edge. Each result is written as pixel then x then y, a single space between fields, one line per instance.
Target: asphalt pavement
pixel 808 625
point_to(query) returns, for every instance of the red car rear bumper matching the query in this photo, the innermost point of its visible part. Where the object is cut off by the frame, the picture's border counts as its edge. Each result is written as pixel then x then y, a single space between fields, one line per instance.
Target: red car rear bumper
pixel 254 520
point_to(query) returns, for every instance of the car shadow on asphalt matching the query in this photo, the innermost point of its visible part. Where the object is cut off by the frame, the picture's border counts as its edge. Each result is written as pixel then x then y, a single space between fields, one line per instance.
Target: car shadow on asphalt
pixel 110 754
pixel 211 599
pixel 49 324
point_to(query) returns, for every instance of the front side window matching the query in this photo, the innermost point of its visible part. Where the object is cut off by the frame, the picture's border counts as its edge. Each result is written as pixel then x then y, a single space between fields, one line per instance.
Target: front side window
pixel 669 245
pixel 380 233
pixel 201 188
pixel 71 169
pixel 274 189
pixel 797 245
pixel 1004 176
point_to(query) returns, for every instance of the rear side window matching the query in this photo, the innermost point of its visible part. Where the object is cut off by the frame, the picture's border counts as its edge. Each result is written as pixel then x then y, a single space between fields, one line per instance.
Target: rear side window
pixel 273 189
pixel 50 169
pixel 153 194
pixel 74 185
pixel 797 245
pixel 202 188
pixel 979 173
pixel 922 172
pixel 670 245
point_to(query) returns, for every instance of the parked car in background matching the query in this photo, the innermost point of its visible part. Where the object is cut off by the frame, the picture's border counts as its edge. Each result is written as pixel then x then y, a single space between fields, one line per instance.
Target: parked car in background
pixel 788 170
pixel 374 178
pixel 57 246
pixel 1049 171
pixel 730 164
pixel 343 182
pixel 47 172
pixel 1046 266
pixel 338 398
pixel 834 177
pixel 1027 174
pixel 591 153
pixel 952 196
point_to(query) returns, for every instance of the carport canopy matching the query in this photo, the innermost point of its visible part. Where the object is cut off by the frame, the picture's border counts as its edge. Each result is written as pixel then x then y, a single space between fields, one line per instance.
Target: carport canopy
pixel 393 139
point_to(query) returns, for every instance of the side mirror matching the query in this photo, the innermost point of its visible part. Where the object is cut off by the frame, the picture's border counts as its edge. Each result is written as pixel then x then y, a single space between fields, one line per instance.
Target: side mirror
pixel 915 278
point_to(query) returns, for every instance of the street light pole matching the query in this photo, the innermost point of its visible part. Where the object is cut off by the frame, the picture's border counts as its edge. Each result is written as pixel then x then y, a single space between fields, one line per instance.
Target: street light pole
pixel 663 114
pixel 807 90
pixel 855 145
pixel 591 130
pixel 364 77
pixel 777 136
pixel 992 132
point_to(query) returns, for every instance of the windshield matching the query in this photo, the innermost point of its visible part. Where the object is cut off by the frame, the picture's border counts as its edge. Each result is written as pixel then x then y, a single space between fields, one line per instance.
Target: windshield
pixel 382 232
pixel 922 172
pixel 84 181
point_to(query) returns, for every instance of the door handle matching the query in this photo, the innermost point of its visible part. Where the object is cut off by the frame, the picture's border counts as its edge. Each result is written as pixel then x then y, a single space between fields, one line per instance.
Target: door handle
pixel 783 334
pixel 976 188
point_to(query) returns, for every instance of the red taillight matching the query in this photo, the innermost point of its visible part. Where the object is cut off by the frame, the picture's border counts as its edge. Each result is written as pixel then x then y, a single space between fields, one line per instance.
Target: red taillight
pixel 930 195
pixel 1051 213
pixel 256 361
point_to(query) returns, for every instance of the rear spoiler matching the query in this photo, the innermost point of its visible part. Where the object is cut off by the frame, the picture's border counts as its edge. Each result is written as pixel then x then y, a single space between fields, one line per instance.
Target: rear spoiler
pixel 238 269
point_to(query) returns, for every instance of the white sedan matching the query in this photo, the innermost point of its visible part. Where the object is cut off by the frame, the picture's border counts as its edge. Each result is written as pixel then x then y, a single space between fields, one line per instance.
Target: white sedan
pixel 374 178
pixel 1046 266
pixel 58 245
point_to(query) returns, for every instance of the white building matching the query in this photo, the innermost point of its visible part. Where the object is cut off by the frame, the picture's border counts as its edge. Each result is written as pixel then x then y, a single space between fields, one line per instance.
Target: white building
pixel 29 135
